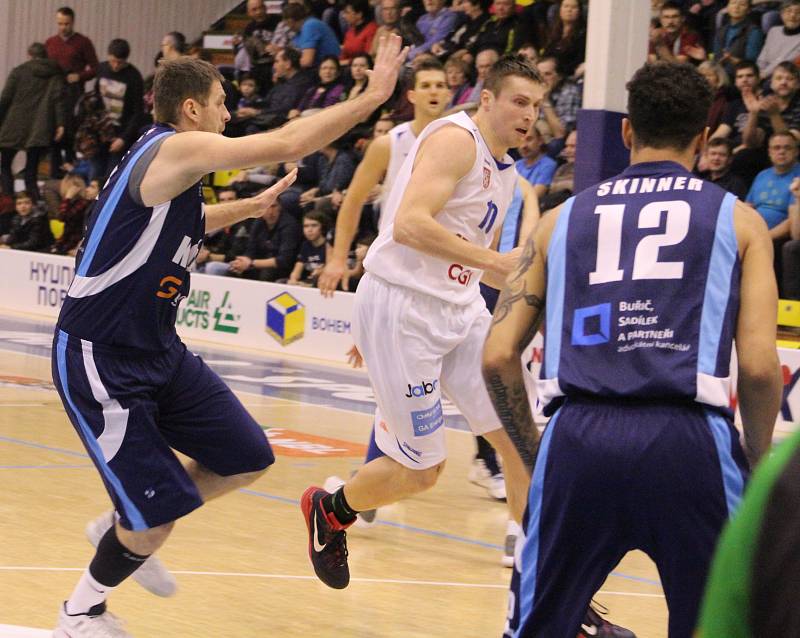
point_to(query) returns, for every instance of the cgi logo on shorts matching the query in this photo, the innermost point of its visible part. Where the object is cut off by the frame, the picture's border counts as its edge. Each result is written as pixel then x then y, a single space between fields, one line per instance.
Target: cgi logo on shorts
pixel 286 319
pixel 421 390
pixel 426 421
pixel 591 326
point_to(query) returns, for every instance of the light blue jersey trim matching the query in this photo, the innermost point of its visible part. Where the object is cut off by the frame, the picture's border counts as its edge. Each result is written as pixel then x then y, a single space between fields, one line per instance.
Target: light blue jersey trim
pixel 511 223
pixel 732 478
pixel 133 514
pixel 110 206
pixel 556 264
pixel 718 287
pixel 530 552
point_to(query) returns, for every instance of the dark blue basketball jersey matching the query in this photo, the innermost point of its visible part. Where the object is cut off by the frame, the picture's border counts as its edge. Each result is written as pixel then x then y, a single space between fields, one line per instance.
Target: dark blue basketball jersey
pixel 132 269
pixel 642 290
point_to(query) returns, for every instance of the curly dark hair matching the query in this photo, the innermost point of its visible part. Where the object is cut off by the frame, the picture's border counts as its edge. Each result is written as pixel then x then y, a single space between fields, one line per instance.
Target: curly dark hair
pixel 668 105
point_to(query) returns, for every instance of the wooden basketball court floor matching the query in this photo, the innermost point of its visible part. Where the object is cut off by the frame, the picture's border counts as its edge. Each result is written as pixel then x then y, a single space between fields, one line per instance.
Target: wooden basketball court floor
pixel 431 567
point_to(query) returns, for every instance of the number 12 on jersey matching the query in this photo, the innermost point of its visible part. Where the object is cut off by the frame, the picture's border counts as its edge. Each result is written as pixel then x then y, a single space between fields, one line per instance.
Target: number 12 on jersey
pixel 645 261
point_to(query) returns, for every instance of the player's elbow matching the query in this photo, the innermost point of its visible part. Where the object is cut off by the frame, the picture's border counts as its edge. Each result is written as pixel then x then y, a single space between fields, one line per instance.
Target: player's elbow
pixel 404 231
pixel 498 358
pixel 760 370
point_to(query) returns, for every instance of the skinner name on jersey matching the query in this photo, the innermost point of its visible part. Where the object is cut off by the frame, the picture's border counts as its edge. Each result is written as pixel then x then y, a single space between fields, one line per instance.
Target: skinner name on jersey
pixel 633 185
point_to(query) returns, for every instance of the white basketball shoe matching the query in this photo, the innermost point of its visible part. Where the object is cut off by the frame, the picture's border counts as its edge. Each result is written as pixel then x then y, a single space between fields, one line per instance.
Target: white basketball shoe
pixel 495 484
pixel 152 575
pixel 97 623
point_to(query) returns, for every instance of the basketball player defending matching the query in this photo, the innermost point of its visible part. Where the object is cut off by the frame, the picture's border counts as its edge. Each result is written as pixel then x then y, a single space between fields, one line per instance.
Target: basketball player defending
pixel 648 278
pixel 419 319
pixel 130 387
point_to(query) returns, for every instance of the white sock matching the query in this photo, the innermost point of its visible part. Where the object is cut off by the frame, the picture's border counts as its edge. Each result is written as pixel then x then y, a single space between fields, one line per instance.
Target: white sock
pixel 88 593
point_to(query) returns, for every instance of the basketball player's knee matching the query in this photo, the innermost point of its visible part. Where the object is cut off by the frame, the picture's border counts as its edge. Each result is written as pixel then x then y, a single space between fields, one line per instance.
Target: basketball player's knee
pixel 426 479
pixel 145 542
pixel 246 478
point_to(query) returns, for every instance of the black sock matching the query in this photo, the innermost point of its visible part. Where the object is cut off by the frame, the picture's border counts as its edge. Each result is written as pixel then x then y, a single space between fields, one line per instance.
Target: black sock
pixel 337 504
pixel 113 562
pixel 487 453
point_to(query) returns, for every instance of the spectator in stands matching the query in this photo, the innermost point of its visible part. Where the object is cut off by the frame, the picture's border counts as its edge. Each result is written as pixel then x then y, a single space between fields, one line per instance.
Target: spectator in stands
pixel 390 22
pixel 790 280
pixel 483 62
pixel 567 38
pixel 272 247
pixel 770 194
pixel 311 257
pixel 76 56
pixel 435 25
pixel 561 102
pixel 333 168
pixel 121 87
pixel 738 38
pixel 702 15
pixel 245 119
pixel 776 112
pixel 783 41
pixel 535 166
pixel 252 55
pixel 359 79
pixel 31 116
pixel 718 80
pixel 734 119
pixel 173 45
pixel 315 39
pixel 328 91
pixel 30 228
pixel 465 35
pixel 456 69
pixel 361 30
pixel 563 185
pixel 672 40
pixel 75 199
pixel 221 247
pixel 289 85
pixel 499 31
pixel 718 157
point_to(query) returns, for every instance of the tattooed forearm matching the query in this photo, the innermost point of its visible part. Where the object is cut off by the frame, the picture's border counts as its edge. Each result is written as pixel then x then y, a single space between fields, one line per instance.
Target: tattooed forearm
pixel 530 333
pixel 514 292
pixel 528 253
pixel 510 401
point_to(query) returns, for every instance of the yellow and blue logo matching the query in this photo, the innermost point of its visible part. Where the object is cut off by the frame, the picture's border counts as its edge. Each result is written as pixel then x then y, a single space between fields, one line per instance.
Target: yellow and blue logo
pixel 286 319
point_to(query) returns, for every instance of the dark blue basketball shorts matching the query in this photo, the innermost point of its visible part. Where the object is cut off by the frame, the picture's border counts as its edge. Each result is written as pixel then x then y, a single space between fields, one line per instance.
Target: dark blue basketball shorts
pixel 132 410
pixel 609 478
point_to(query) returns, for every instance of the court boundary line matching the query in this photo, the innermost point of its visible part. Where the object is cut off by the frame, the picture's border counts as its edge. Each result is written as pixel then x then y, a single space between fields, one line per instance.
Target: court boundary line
pixel 304 577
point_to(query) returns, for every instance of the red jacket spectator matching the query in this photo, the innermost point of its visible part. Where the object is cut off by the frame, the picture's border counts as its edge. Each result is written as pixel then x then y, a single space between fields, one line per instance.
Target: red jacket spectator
pixel 361 31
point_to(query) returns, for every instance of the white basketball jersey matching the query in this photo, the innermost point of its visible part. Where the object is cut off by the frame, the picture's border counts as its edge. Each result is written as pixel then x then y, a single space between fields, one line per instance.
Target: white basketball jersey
pixel 402 140
pixel 474 213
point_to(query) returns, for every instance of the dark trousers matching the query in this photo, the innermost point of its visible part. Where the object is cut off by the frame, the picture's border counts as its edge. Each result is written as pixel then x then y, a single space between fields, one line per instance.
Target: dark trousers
pixel 31 170
pixel 790 271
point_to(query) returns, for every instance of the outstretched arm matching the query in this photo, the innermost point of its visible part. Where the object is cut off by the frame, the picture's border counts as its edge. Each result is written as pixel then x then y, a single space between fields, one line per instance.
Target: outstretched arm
pixel 517 317
pixel 184 158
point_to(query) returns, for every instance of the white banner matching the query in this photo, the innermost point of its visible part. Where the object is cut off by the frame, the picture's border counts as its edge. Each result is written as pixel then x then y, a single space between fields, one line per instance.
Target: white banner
pixel 264 316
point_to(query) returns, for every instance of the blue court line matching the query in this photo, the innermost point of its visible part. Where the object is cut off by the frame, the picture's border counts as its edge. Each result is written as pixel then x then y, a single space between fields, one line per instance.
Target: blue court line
pixel 44 467
pixel 50 448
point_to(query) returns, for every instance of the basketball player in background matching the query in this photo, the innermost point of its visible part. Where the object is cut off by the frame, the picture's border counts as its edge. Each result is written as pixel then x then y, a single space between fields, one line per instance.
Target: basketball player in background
pixel 129 385
pixel 645 280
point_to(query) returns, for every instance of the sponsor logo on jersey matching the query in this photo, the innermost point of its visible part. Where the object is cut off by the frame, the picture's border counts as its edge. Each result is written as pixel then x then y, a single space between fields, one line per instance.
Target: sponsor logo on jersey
pixel 286 319
pixel 459 274
pixel 168 287
pixel 487 177
pixel 421 390
pixel 412 450
pixel 187 252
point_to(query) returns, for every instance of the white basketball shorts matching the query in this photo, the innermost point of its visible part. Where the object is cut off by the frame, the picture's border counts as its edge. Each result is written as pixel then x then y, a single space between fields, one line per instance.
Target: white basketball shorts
pixel 417 346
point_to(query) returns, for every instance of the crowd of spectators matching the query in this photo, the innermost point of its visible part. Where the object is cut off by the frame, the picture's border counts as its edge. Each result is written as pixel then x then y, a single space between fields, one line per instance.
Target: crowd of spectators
pixel 315 53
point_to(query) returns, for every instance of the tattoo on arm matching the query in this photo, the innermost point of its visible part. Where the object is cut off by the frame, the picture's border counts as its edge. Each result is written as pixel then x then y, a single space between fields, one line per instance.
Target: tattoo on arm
pixel 511 403
pixel 517 289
